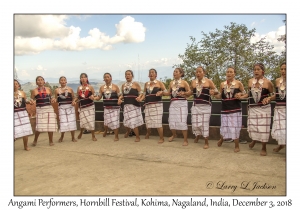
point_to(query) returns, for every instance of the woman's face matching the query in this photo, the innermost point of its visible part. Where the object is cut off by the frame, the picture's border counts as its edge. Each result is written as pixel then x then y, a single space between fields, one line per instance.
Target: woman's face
pixel 152 75
pixel 63 82
pixel 40 81
pixel 176 74
pixel 83 79
pixel 257 71
pixel 107 78
pixel 283 70
pixel 230 74
pixel 16 85
pixel 199 73
pixel 128 76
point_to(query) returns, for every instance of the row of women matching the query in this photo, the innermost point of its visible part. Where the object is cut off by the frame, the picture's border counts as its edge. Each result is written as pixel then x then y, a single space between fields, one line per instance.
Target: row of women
pixel 231 92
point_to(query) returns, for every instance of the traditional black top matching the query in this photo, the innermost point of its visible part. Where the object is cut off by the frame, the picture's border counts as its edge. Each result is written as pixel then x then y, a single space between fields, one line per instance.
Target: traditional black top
pixel 22 106
pixel 131 96
pixel 151 98
pixel 111 102
pixel 67 100
pixel 280 101
pixel 204 97
pixel 229 103
pixel 264 94
pixel 85 102
pixel 178 97
pixel 43 101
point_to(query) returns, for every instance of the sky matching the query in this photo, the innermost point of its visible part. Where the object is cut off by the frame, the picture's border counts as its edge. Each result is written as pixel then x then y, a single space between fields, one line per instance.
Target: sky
pixel 67 45
pixel 163 39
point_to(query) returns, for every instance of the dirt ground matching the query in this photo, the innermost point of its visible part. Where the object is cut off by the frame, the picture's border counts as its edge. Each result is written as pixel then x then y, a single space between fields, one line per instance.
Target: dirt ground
pixel 108 168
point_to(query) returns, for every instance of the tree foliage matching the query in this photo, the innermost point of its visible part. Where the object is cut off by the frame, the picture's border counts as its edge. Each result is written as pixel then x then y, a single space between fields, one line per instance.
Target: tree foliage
pixel 232 46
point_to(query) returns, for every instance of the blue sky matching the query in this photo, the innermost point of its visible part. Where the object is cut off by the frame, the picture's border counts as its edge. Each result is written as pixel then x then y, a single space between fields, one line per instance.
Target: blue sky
pixel 68 45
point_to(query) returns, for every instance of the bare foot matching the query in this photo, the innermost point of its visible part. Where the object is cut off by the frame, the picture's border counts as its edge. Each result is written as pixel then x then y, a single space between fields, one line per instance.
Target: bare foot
pixel 237 149
pixel 137 140
pixel 147 135
pixel 104 133
pixel 185 143
pixel 74 140
pixel 34 143
pixel 172 138
pixel 60 140
pixel 126 134
pixel 161 141
pixel 251 145
pixel 196 139
pixel 51 144
pixel 205 146
pixel 79 136
pixel 263 152
pixel 220 142
pixel 277 149
pixel 94 139
pixel 116 139
pixel 27 148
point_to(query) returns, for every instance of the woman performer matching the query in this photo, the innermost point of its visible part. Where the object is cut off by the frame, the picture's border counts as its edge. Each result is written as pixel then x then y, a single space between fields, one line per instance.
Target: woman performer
pixel 132 96
pixel 46 120
pixel 85 94
pixel 178 110
pixel 153 91
pixel 66 101
pixel 279 120
pixel 259 109
pixel 201 109
pixel 231 91
pixel 22 125
pixel 110 93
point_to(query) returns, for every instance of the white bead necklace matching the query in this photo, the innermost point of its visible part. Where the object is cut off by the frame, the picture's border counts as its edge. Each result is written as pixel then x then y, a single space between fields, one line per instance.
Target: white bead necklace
pixel 256 91
pixel 150 86
pixel 199 87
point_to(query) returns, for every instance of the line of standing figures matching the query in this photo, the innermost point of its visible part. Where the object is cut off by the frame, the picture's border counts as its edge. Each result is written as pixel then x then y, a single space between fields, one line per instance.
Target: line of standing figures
pixel 260 92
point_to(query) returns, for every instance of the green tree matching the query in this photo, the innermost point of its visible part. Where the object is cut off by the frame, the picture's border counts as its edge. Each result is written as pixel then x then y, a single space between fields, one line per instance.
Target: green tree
pixel 166 82
pixel 229 47
pixel 52 88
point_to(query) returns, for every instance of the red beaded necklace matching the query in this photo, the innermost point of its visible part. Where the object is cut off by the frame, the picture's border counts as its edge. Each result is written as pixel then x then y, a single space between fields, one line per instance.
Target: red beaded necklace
pixel 42 94
pixel 84 93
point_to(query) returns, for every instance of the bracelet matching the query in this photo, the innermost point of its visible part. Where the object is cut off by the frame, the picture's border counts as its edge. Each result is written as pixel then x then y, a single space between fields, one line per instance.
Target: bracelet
pixel 271 94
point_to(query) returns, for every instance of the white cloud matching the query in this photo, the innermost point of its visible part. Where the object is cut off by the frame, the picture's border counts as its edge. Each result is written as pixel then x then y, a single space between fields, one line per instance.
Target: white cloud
pixel 272 37
pixel 37 33
pixel 62 72
pixel 43 26
pixel 25 74
pixel 129 31
pixel 40 68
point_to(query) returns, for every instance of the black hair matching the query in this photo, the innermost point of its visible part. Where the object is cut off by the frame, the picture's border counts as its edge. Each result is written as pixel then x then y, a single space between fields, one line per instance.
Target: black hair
pixel 130 72
pixel 181 71
pixel 200 67
pixel 18 83
pixel 106 73
pixel 261 65
pixel 153 70
pixel 38 77
pixel 231 67
pixel 62 77
pixel 85 76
